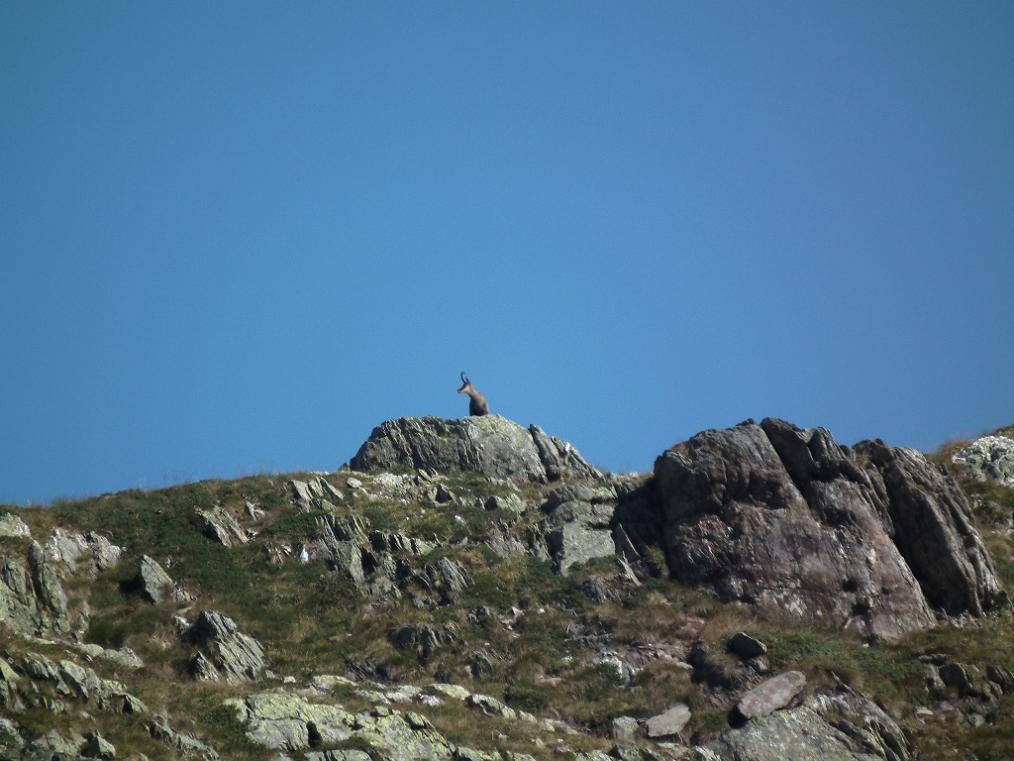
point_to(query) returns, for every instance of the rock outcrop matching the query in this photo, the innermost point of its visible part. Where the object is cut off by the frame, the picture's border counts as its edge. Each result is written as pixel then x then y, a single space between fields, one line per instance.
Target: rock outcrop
pixel 490 445
pixel 931 522
pixel 226 653
pixel 842 726
pixel 86 553
pixel 786 520
pixel 990 458
pixel 32 601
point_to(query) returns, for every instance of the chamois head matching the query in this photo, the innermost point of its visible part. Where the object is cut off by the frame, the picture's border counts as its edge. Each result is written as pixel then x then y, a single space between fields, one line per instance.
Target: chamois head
pixel 477 404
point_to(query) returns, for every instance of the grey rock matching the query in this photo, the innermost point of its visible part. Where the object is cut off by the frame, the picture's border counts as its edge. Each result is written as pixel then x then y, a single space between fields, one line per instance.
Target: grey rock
pixel 185 743
pixel 771 694
pixel 424 639
pixel 99 747
pixel 51 597
pixel 933 527
pixel 488 445
pixel 990 458
pixel 337 755
pixel 955 675
pixel 843 726
pixel 234 656
pixel 668 724
pixel 745 646
pixel 503 542
pixel 786 522
pixel 153 581
pixel 32 601
pixel 448 577
pixel 217 524
pixel 1001 676
pixel 511 503
pixel 86 553
pixel 12 526
pixel 625 729
pixel 576 531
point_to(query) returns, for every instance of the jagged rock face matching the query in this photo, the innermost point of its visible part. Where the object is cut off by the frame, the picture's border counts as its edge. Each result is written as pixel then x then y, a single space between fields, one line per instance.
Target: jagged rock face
pixel 228 653
pixel 785 520
pixel 489 445
pixel 32 601
pixel 990 458
pixel 933 528
pixel 577 525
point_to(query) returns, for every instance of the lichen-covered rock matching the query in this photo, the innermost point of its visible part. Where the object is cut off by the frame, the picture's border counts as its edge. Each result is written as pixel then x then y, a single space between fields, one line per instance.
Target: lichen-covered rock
pixel 424 639
pixel 12 526
pixel 669 723
pixel 286 721
pixel 153 581
pixel 842 726
pixel 786 521
pixel 235 656
pixel 933 528
pixel 577 527
pixel 219 525
pixel 99 747
pixel 771 694
pixel 990 458
pixel 184 742
pixel 82 553
pixel 488 445
pixel 32 601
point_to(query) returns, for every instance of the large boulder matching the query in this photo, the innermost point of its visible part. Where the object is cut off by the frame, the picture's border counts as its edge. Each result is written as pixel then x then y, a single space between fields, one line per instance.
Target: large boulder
pixel 785 520
pixel 841 726
pixel 932 525
pixel 489 445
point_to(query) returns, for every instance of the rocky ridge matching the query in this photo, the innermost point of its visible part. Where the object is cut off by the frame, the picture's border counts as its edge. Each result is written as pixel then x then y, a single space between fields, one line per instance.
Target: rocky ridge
pixel 476 590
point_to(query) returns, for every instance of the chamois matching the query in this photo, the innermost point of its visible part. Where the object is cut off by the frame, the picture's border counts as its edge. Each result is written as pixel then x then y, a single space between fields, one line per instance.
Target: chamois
pixel 477 404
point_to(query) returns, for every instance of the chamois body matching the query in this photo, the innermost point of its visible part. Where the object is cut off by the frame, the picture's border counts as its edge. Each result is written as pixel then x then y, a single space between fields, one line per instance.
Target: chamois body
pixel 477 404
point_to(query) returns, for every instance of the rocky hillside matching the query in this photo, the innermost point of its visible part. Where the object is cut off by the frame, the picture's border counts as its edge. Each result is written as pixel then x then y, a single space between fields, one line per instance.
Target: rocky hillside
pixel 473 589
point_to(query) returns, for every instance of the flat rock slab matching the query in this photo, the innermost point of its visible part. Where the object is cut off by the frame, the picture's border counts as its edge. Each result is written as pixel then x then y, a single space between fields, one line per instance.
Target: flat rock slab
pixel 767 697
pixel 670 723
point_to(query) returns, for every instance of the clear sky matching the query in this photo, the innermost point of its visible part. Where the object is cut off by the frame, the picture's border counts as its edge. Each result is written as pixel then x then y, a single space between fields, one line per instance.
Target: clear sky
pixel 236 236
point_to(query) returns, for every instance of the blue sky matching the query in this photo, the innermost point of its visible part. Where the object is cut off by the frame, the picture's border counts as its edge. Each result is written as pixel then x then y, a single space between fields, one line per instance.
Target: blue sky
pixel 237 236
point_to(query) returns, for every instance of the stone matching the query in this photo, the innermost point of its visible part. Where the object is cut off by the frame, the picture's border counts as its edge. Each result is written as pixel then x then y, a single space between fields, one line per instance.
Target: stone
pixel 12 526
pixel 217 524
pixel 99 747
pixel 32 601
pixel 933 528
pixel 234 656
pixel 153 581
pixel 745 646
pixel 787 522
pixel 771 694
pixel 989 458
pixel 185 743
pixel 842 726
pixel 88 553
pixel 576 532
pixel 511 503
pixel 489 445
pixel 955 675
pixel 424 639
pixel 453 691
pixel 668 724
